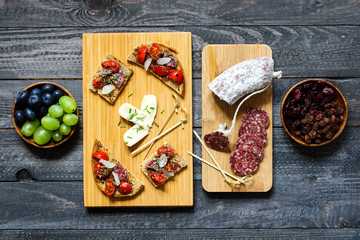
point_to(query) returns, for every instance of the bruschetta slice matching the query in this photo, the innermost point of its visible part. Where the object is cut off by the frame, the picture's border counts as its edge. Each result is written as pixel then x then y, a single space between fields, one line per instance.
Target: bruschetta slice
pixel 162 62
pixel 110 79
pixel 111 176
pixel 162 165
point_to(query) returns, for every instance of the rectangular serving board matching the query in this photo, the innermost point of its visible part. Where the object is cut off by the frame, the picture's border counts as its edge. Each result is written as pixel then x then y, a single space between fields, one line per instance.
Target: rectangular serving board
pixel 215 60
pixel 101 119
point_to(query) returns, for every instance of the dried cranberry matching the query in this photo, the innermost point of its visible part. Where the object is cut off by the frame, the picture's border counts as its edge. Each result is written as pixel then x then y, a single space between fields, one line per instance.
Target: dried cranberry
pixel 307 100
pixel 328 91
pixel 297 94
pixel 320 84
pixel 308 85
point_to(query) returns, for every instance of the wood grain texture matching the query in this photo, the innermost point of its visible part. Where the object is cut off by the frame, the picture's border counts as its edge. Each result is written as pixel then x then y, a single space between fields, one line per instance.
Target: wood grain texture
pixel 215 60
pixel 304 202
pixel 10 88
pixel 62 13
pixel 263 234
pixel 299 51
pixel 101 119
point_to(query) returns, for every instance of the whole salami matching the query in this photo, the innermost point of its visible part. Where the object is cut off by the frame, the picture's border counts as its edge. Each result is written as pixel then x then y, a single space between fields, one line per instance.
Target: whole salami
pixel 216 140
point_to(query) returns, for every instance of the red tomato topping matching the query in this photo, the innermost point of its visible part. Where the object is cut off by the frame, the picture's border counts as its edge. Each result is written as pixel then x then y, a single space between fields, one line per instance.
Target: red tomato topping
pixel 125 187
pixel 171 166
pixel 100 155
pixel 141 54
pixel 177 76
pixel 157 177
pixel 155 51
pixel 109 187
pixel 114 66
pixel 98 165
pixel 169 152
pixel 162 70
pixel 98 82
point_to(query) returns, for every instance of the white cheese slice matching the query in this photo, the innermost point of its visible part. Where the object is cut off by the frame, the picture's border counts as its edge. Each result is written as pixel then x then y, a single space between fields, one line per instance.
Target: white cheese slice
pixel 134 135
pixel 132 114
pixel 149 108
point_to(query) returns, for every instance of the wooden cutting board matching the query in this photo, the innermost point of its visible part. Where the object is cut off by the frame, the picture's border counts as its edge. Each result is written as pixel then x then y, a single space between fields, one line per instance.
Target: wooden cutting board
pixel 100 119
pixel 215 60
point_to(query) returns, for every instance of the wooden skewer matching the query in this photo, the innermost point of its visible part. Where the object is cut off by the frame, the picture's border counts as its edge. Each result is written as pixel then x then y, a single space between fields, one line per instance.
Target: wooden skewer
pixel 239 180
pixel 176 105
pixel 211 156
pixel 161 135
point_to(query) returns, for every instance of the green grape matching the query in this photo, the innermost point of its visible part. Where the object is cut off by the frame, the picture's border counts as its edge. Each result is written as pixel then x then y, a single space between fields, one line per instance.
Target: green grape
pixel 29 128
pixel 70 119
pixel 64 129
pixel 68 104
pixel 56 111
pixel 42 135
pixel 57 136
pixel 50 123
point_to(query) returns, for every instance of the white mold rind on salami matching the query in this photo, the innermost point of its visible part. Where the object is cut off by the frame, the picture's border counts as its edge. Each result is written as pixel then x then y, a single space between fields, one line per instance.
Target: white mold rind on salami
pixel 243 78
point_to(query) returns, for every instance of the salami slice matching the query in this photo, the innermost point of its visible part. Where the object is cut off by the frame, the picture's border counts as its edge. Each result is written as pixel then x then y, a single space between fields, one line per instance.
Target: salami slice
pixel 258 132
pixel 216 140
pixel 251 140
pixel 258 151
pixel 243 163
pixel 256 114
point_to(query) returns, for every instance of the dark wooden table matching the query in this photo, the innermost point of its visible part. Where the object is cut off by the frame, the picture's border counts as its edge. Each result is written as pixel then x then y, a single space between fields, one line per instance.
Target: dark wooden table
pixel 316 191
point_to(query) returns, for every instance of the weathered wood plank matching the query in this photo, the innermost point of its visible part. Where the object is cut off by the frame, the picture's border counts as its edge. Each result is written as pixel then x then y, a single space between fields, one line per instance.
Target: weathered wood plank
pixel 170 13
pixel 64 162
pixel 302 203
pixel 10 88
pixel 298 51
pixel 280 234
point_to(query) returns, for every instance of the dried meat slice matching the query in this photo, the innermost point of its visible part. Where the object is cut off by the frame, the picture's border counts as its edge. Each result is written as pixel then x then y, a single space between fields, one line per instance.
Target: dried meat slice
pixel 217 140
pixel 258 151
pixel 254 130
pixel 256 114
pixel 251 140
pixel 243 162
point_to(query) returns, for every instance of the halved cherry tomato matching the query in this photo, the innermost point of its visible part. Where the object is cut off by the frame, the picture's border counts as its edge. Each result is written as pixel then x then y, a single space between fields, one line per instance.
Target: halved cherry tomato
pixel 176 75
pixel 98 165
pixel 100 155
pixel 155 51
pixel 125 187
pixel 169 152
pixel 162 70
pixel 114 66
pixel 157 177
pixel 171 166
pixel 141 54
pixel 98 82
pixel 109 187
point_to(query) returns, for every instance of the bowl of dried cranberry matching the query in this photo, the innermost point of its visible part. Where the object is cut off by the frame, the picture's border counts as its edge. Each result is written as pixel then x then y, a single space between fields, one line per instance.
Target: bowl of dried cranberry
pixel 314 112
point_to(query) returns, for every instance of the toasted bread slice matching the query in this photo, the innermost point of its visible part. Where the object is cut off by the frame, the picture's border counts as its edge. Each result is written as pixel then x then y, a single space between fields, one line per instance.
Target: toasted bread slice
pixel 177 87
pixel 111 97
pixel 136 184
pixel 176 157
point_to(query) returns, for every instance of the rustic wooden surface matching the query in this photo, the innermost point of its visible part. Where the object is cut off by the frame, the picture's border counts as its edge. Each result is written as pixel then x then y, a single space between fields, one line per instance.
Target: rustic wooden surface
pixel 316 192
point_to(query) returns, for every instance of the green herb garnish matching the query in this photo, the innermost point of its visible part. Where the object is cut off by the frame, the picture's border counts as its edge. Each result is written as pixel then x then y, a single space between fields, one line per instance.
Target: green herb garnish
pixel 130 110
pixel 119 123
pixel 126 143
pixel 130 95
pixel 127 74
pixel 129 137
pixel 162 111
pixel 114 183
pixel 122 126
pixel 140 118
pixel 156 124
pixel 152 108
pixel 146 108
pixel 148 111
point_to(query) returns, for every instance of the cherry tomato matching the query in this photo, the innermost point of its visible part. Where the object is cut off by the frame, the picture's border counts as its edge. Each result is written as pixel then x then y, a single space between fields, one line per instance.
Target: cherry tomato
pixel 98 165
pixel 169 152
pixel 141 54
pixel 114 66
pixel 125 187
pixel 157 177
pixel 100 155
pixel 98 82
pixel 162 70
pixel 176 75
pixel 155 51
pixel 109 187
pixel 171 166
